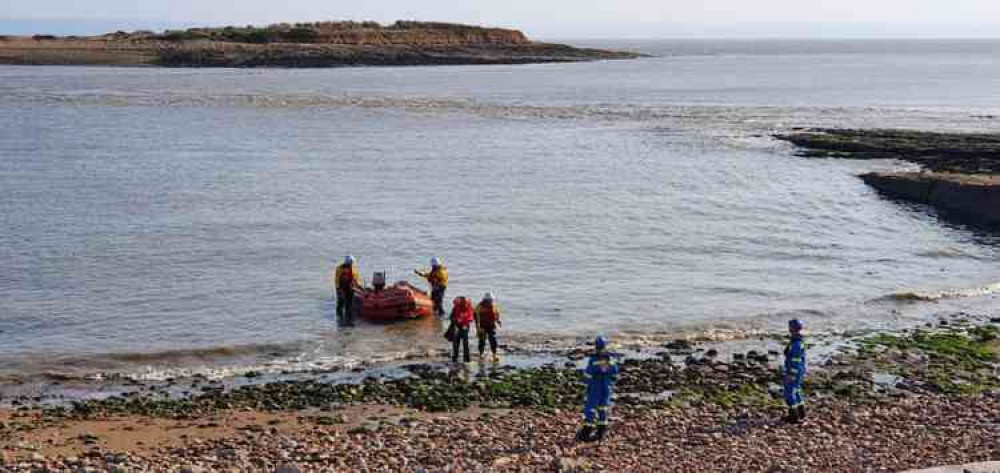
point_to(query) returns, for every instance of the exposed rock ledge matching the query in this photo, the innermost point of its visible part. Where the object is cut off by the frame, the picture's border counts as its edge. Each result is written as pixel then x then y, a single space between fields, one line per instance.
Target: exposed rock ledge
pixel 964 182
pixel 967 198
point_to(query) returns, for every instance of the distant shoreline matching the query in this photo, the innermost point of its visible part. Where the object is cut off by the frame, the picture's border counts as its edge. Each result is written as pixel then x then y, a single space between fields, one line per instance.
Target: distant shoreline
pixel 303 45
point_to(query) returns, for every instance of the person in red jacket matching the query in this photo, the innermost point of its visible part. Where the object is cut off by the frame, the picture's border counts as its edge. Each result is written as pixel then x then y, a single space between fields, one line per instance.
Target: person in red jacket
pixel 462 315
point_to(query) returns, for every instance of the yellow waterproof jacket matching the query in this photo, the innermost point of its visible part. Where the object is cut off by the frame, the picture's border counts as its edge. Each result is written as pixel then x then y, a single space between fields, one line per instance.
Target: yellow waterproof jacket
pixel 487 316
pixel 437 277
pixel 338 276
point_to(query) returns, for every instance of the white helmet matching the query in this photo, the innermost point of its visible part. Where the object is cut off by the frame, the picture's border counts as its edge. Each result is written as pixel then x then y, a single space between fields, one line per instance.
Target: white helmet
pixel 435 262
pixel 488 296
pixel 348 260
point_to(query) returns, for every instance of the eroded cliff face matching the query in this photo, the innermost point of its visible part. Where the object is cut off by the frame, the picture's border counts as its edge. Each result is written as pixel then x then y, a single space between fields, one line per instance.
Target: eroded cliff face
pixel 967 198
pixel 423 36
pixel 345 33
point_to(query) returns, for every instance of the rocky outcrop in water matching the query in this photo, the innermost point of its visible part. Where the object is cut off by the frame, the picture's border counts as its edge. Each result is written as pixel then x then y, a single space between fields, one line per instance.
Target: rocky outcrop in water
pixel 327 44
pixel 971 153
pixel 970 198
pixel 964 182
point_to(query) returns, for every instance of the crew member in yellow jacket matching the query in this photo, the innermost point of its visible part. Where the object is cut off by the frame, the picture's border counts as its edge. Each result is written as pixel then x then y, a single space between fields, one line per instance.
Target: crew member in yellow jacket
pixel 345 279
pixel 438 279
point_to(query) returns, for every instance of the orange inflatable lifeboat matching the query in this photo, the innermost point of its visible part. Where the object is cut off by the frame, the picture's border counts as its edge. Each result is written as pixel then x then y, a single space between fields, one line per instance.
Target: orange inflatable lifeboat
pixel 397 302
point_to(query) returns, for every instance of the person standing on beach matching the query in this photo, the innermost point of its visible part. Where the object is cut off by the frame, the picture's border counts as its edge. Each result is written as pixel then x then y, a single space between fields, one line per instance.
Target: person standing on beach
pixel 795 372
pixel 462 315
pixel 600 376
pixel 487 322
pixel 345 279
pixel 437 277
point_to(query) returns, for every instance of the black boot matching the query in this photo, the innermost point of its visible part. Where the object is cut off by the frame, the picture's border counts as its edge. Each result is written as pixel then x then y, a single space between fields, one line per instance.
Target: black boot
pixel 601 430
pixel 584 434
pixel 801 412
pixel 792 417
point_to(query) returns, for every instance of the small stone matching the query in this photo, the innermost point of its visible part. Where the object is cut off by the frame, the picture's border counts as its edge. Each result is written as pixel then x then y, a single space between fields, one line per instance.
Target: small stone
pixel 678 345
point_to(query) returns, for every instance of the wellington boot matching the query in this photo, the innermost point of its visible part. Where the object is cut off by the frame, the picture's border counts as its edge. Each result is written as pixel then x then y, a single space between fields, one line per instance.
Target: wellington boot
pixel 584 434
pixel 601 431
pixel 801 412
pixel 792 417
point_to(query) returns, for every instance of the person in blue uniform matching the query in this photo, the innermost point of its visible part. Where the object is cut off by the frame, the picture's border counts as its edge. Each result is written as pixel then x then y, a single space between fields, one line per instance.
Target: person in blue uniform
pixel 599 376
pixel 795 372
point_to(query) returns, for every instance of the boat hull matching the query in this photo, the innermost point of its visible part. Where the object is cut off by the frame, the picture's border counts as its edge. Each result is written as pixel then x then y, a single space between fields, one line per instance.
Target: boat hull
pixel 400 301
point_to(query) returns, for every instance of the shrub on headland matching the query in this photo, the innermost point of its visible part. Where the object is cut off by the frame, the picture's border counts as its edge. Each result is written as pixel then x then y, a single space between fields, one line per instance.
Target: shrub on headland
pixel 344 32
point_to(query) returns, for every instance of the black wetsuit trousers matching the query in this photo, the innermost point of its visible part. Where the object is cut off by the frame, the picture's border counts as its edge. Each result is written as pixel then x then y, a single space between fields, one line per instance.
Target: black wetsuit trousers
pixel 345 303
pixel 437 297
pixel 490 335
pixel 461 337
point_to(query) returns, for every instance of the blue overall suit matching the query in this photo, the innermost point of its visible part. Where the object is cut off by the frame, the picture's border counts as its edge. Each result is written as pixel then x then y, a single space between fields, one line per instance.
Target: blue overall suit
pixel 795 371
pixel 600 376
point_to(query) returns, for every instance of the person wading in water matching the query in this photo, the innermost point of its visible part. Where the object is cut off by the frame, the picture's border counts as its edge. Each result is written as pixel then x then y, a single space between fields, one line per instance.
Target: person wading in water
pixel 437 277
pixel 462 315
pixel 487 322
pixel 345 279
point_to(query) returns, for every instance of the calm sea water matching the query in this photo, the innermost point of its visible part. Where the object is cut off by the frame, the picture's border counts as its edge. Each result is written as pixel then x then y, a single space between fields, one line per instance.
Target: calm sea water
pixel 160 221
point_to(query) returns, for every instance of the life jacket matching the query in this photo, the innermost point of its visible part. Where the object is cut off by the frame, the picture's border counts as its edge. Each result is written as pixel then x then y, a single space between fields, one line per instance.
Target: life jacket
pixel 345 280
pixel 438 277
pixel 462 312
pixel 487 315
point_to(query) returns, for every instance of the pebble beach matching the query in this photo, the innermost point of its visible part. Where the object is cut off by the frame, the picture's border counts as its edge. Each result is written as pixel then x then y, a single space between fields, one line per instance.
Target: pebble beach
pixel 684 409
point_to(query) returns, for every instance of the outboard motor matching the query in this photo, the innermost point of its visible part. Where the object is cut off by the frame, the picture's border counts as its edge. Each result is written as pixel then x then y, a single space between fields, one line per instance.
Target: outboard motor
pixel 378 281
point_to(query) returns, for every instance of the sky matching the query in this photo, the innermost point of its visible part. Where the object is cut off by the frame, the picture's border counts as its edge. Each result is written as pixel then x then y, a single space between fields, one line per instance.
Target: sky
pixel 540 19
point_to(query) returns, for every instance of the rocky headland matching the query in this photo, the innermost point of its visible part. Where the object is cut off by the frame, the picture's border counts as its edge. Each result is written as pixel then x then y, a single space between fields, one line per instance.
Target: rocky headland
pixel 887 402
pixel 960 176
pixel 323 44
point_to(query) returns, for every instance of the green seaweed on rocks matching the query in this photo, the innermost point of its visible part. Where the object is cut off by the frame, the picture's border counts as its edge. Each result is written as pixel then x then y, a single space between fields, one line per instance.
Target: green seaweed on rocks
pixel 542 388
pixel 967 349
pixel 745 395
pixel 952 361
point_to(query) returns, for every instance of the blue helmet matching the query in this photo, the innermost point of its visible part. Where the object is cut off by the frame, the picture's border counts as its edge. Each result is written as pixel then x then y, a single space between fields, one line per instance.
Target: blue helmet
pixel 601 342
pixel 795 324
pixel 348 260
